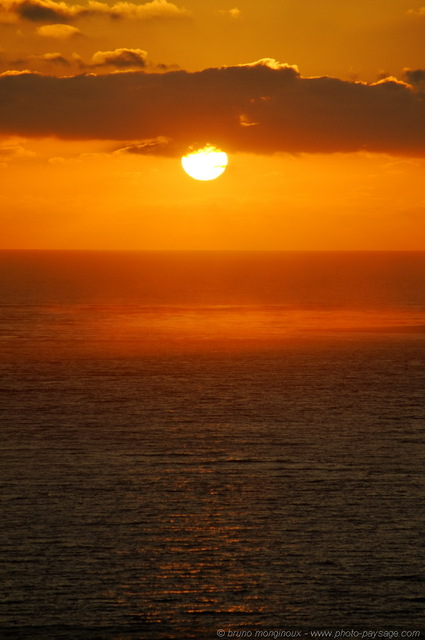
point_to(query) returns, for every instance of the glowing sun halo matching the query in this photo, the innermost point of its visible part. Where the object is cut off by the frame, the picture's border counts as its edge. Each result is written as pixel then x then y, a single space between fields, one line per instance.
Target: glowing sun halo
pixel 205 164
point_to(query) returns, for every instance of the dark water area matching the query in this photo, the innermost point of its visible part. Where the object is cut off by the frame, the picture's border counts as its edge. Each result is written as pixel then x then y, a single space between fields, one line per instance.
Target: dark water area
pixel 211 441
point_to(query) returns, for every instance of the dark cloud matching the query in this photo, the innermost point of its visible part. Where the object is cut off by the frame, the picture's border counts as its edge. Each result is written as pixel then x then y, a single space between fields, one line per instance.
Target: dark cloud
pixel 40 11
pixel 51 11
pixel 260 108
pixel 415 77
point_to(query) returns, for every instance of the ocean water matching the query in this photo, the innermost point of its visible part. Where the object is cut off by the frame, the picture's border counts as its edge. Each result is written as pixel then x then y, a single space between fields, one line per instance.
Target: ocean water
pixel 195 442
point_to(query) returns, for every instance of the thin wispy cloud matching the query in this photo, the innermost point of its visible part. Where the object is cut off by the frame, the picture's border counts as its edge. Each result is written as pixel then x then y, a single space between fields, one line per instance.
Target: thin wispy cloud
pixel 417 13
pixel 231 13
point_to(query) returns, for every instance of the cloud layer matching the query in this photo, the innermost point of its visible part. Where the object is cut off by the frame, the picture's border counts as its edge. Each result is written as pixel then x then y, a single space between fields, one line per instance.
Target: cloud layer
pixel 263 107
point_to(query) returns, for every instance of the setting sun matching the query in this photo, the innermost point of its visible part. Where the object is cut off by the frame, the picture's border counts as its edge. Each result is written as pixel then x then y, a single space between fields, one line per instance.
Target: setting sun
pixel 206 163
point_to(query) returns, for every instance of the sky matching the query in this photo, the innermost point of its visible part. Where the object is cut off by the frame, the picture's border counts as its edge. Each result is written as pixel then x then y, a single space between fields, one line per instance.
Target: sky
pixel 320 107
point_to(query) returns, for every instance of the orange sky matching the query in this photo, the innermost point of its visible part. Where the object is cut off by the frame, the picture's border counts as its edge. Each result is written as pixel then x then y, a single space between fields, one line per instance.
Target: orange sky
pixel 320 107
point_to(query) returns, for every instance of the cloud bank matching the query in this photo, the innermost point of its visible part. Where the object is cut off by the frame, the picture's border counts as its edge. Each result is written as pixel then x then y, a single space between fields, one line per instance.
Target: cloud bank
pixel 264 107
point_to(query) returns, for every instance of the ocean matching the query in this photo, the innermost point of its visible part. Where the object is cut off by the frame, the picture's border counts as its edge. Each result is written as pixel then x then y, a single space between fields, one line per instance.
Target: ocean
pixel 211 444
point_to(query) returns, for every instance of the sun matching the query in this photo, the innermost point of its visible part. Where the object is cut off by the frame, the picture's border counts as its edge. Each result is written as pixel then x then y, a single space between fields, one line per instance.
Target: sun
pixel 206 163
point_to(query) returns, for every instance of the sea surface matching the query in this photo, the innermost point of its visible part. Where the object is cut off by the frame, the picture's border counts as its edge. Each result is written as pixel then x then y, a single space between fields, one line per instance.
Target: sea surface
pixel 194 443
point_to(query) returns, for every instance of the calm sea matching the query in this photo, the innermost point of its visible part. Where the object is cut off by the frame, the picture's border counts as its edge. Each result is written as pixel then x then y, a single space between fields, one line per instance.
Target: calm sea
pixel 195 442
